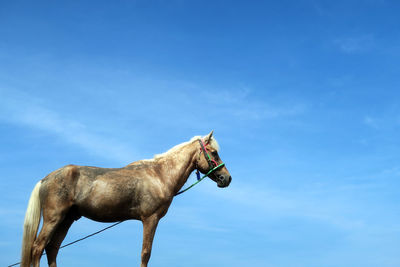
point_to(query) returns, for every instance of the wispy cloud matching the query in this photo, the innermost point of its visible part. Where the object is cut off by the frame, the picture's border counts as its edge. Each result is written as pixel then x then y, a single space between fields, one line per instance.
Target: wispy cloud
pixel 321 205
pixel 11 216
pixel 371 122
pixel 385 121
pixel 189 217
pixel 356 44
pixel 241 104
pixel 19 108
pixel 394 171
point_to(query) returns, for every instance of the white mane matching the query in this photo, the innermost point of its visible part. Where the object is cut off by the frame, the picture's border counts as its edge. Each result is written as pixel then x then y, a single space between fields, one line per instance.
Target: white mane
pixel 213 143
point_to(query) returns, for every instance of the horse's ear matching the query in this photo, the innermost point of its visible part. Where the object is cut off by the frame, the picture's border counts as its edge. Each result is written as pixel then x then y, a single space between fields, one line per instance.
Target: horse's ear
pixel 208 137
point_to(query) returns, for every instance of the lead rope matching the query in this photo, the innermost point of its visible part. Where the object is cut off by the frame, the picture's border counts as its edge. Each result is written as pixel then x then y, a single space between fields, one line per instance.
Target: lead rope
pixel 78 240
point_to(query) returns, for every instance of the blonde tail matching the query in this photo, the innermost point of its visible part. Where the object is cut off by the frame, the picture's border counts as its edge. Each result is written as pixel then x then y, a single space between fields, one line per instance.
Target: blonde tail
pixel 31 225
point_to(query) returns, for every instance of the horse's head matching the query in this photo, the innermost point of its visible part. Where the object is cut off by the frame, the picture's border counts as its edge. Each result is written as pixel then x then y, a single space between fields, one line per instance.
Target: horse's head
pixel 209 162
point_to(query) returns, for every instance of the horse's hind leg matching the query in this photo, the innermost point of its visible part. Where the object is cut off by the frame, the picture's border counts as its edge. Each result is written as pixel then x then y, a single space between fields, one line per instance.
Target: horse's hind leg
pixel 43 238
pixel 52 217
pixel 56 195
pixel 56 240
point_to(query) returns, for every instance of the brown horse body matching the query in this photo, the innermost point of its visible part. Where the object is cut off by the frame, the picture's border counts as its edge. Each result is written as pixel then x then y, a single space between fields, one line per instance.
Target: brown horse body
pixel 142 190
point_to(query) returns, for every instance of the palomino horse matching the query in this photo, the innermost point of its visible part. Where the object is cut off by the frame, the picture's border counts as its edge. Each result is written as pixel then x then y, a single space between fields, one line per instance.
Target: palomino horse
pixel 142 190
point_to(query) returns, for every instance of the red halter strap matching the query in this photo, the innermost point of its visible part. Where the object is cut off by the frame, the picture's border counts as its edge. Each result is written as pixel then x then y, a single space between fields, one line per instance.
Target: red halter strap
pixel 211 162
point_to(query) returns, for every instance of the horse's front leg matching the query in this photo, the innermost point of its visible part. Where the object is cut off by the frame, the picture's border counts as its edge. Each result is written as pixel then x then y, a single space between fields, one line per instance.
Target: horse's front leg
pixel 149 229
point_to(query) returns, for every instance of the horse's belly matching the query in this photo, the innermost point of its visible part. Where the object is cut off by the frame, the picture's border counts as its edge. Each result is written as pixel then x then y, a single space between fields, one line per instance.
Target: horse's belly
pixel 103 215
pixel 108 210
pixel 107 203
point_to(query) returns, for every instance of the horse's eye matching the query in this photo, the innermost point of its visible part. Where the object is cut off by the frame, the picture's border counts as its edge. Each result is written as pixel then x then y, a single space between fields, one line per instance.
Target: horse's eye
pixel 215 154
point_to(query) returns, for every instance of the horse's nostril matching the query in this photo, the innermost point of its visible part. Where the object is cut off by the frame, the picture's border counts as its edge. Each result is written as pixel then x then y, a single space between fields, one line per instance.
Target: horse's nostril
pixel 230 179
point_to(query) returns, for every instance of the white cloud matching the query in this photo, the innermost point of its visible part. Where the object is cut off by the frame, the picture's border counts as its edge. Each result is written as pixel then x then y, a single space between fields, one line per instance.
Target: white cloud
pixel 189 217
pixel 323 205
pixel 240 104
pixel 11 216
pixel 394 171
pixel 23 109
pixel 357 44
pixel 371 122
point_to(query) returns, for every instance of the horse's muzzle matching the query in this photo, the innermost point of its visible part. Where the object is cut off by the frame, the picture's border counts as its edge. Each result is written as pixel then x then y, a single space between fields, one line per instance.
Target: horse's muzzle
pixel 223 181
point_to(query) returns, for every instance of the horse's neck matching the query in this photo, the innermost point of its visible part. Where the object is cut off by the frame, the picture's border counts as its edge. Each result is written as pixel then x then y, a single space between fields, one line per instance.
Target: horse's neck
pixel 178 166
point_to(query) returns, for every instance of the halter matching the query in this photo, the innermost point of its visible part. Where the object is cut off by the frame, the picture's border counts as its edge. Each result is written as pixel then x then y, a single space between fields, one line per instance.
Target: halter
pixel 212 164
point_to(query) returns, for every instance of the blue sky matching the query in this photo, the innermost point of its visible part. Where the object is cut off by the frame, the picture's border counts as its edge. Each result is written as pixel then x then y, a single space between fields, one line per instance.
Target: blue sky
pixel 303 97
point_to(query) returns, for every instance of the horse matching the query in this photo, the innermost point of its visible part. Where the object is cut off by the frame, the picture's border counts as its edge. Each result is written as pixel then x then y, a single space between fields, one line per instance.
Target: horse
pixel 142 190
